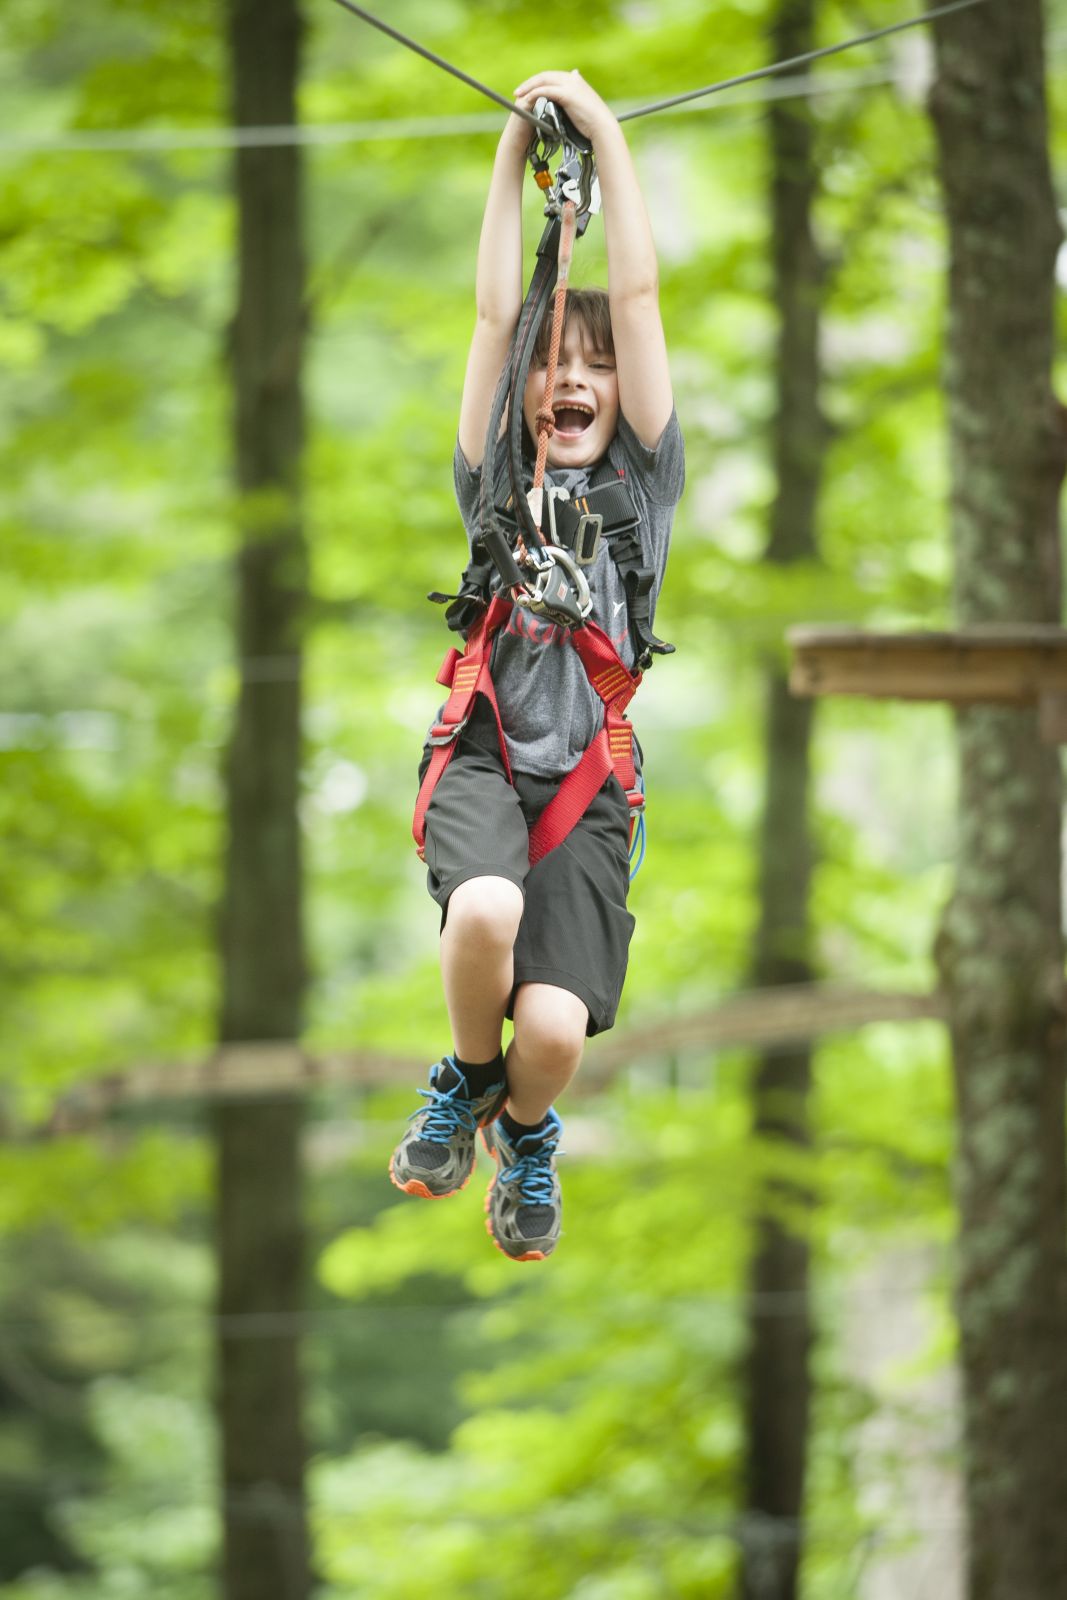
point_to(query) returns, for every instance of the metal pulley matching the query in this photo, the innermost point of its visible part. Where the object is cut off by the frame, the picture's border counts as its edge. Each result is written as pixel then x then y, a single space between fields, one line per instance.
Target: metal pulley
pixel 576 177
pixel 558 589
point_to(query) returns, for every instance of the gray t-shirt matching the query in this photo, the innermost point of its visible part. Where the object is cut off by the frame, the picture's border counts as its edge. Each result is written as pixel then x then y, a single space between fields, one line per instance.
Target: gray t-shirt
pixel 548 710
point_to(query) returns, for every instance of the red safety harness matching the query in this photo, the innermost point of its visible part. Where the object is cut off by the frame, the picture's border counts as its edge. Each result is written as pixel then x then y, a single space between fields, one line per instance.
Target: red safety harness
pixel 467 674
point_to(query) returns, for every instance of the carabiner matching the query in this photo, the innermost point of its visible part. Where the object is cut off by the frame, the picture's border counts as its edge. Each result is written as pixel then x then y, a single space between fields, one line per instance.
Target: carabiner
pixel 576 177
pixel 559 589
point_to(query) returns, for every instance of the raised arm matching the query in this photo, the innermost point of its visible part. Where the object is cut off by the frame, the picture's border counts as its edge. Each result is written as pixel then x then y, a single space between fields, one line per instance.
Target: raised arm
pixel 498 287
pixel 645 396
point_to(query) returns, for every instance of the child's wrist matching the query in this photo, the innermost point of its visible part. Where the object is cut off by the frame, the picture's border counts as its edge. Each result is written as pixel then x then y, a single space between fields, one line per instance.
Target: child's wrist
pixel 516 135
pixel 606 130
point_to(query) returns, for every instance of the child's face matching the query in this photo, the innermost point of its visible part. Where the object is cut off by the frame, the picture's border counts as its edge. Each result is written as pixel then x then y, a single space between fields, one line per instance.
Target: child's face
pixel 585 402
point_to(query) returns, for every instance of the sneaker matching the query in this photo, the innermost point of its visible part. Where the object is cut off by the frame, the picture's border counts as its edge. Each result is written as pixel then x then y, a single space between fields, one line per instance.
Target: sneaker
pixel 524 1206
pixel 436 1155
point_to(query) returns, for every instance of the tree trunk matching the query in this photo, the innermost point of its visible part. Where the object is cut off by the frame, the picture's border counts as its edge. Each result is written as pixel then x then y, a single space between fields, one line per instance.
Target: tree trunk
pixel 778 1379
pixel 262 945
pixel 1000 948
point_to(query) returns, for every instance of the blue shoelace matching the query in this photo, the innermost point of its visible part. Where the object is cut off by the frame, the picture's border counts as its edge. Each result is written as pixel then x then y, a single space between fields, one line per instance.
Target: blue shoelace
pixel 446 1114
pixel 533 1174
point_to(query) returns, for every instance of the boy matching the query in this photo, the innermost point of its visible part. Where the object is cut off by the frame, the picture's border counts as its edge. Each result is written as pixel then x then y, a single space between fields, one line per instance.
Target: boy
pixel 544 945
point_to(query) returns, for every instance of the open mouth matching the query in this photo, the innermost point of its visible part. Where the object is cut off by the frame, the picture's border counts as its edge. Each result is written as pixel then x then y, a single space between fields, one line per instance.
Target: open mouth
pixel 572 419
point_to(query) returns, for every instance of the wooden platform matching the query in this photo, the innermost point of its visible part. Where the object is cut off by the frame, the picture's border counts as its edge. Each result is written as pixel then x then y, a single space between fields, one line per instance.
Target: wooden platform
pixel 1020 665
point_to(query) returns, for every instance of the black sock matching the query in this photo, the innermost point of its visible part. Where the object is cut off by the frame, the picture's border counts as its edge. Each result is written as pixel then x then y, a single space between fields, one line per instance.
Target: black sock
pixel 519 1130
pixel 480 1076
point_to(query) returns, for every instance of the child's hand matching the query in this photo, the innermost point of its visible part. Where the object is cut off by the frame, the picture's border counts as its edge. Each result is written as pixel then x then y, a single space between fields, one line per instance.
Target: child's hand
pixel 569 90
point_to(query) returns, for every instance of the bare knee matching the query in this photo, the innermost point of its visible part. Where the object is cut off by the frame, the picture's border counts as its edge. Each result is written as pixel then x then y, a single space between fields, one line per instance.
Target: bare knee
pixel 550 1026
pixel 484 913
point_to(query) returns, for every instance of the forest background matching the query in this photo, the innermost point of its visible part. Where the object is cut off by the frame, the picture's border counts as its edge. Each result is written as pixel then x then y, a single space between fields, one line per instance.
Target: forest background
pixel 576 1430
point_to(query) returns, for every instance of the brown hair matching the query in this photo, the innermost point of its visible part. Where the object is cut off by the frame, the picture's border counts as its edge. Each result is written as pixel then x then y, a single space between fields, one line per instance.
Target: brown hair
pixel 589 308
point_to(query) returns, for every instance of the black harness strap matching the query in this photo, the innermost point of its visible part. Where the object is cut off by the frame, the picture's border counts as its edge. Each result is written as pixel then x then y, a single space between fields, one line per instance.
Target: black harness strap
pixel 492 547
pixel 509 393
pixel 637 581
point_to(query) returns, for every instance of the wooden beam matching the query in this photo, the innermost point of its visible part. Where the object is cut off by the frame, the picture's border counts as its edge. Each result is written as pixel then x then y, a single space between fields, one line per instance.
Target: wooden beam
pixel 760 1019
pixel 1024 665
pixel 255 1070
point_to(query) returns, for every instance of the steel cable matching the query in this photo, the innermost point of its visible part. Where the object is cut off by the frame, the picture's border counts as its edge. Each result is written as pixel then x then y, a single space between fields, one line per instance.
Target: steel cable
pixel 797 61
pixel 674 100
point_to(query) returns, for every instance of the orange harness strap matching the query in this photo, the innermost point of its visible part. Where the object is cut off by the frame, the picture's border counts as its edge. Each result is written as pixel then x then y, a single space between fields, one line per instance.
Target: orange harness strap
pixel 466 674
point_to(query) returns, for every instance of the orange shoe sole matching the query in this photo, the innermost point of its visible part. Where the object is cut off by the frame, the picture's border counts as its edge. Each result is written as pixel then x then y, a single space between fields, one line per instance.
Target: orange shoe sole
pixel 413 1186
pixel 530 1255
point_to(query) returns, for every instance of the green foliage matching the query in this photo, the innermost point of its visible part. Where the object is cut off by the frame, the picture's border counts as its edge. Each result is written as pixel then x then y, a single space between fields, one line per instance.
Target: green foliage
pixel 586 1417
pixel 606 1428
pixel 101 1384
pixel 80 1185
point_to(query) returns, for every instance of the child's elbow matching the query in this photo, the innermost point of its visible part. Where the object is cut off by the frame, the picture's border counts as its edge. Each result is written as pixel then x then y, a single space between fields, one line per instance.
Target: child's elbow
pixel 493 317
pixel 636 307
pixel 639 295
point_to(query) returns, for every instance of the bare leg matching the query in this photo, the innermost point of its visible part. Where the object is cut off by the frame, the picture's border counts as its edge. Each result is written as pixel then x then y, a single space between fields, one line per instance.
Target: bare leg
pixel 477 966
pixel 546 1051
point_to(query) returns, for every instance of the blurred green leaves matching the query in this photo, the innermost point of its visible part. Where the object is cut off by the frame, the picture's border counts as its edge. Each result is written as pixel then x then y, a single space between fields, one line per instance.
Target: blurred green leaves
pixel 595 1403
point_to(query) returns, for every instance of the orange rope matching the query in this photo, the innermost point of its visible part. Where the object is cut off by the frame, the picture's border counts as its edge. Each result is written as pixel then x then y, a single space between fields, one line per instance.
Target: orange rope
pixel 546 422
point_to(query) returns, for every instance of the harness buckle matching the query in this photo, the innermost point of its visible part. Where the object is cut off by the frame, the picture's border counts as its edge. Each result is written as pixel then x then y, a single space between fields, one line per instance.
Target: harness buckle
pixel 635 799
pixel 444 732
pixel 587 537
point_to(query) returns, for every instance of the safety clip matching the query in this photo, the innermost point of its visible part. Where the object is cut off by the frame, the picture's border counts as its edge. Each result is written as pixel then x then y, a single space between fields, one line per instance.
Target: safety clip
pixel 559 589
pixel 576 177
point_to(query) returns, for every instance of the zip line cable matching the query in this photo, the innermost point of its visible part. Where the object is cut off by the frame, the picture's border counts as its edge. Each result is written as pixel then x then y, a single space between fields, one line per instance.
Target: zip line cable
pixel 797 61
pixel 446 66
pixel 691 94
pixel 164 140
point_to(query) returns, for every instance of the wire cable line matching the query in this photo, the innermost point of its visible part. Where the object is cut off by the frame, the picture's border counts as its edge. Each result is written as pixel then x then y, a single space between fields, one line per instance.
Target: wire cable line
pixel 796 61
pixel 446 66
pixel 825 1299
pixel 163 141
pixel 674 100
pixel 149 141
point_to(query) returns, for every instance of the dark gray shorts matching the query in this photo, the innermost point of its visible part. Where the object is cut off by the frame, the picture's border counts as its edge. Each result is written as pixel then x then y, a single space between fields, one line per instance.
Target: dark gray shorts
pixel 575 929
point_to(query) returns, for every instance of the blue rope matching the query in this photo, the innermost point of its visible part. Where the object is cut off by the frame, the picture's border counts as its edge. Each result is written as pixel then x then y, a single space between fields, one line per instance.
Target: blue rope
pixel 637 844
